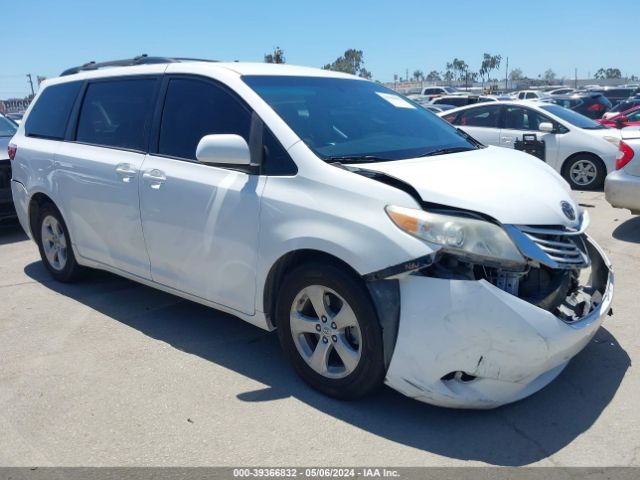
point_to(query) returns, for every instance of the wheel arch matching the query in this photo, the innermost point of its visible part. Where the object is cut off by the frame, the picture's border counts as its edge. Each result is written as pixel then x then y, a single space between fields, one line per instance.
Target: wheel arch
pixel 285 264
pixel 384 294
pixel 35 203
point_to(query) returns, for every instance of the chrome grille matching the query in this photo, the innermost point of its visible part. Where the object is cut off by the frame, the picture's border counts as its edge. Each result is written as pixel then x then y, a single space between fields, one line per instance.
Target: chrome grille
pixel 566 249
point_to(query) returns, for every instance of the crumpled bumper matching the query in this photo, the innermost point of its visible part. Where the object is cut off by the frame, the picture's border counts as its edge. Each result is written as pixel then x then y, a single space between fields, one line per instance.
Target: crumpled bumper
pixel 510 346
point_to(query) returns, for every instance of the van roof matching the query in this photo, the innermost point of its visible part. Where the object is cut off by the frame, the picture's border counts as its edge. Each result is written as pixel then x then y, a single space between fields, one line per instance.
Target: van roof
pixel 146 64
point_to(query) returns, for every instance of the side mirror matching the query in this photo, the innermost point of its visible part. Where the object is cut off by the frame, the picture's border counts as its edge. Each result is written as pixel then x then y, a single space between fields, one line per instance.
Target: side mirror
pixel 546 127
pixel 223 149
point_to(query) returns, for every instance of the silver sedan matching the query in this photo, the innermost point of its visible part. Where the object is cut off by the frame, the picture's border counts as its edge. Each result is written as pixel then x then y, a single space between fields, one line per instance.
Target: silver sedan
pixel 622 187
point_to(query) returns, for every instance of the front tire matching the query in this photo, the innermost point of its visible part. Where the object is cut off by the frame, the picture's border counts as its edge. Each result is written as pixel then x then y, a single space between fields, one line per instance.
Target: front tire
pixel 54 244
pixel 329 329
pixel 585 172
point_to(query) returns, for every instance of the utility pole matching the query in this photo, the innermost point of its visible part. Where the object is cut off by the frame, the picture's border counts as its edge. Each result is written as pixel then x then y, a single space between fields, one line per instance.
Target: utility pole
pixel 31 83
pixel 575 77
pixel 506 75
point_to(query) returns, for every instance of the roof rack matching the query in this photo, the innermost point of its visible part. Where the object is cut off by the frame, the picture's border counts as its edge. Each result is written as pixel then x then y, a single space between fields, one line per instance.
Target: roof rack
pixel 143 59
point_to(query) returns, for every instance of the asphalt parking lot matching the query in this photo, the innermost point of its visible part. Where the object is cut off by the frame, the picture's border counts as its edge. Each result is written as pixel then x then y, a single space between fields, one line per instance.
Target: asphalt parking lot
pixel 108 372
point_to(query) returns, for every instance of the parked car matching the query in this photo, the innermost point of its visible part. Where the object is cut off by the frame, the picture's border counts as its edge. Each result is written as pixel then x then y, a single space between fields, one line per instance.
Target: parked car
pixel 589 104
pixel 616 94
pixel 15 117
pixel 381 242
pixel 441 107
pixel 7 130
pixel 582 150
pixel 561 91
pixel 529 94
pixel 621 107
pixel 433 92
pixel 627 118
pixel 622 187
pixel 461 100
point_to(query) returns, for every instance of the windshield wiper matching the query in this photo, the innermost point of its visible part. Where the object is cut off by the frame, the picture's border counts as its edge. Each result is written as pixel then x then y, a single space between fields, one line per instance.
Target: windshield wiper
pixel 357 159
pixel 443 151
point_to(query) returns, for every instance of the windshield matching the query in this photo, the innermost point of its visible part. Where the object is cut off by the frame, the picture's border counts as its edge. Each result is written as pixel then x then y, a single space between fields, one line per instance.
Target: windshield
pixel 7 127
pixel 343 119
pixel 574 118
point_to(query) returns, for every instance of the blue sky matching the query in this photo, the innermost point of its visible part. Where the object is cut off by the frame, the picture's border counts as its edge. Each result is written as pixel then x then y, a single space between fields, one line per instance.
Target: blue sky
pixel 49 36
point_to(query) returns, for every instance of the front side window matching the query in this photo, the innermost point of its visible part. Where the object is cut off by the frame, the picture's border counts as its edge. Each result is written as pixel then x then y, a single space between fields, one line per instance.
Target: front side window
pixel 340 119
pixel 117 113
pixel 49 116
pixel 485 116
pixel 195 108
pixel 519 118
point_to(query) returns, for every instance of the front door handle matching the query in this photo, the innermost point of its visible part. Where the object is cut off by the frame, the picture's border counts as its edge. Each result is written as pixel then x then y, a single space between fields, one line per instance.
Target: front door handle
pixel 154 177
pixel 125 171
pixel 506 139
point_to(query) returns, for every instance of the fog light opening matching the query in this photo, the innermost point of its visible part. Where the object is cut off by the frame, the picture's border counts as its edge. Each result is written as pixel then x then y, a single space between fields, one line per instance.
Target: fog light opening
pixel 459 376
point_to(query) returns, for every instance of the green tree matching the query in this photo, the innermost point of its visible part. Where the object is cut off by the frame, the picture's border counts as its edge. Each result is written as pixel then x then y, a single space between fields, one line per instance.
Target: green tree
pixel 515 75
pixel 602 73
pixel 549 75
pixel 489 63
pixel 433 76
pixel 351 62
pixel 418 75
pixel 277 56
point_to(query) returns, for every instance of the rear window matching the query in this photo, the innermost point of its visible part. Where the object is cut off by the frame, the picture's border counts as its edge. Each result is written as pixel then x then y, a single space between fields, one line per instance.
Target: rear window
pixel 117 113
pixel 50 114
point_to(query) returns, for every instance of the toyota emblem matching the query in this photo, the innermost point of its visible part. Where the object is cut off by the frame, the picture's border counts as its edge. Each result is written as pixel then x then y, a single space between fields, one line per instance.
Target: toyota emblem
pixel 568 210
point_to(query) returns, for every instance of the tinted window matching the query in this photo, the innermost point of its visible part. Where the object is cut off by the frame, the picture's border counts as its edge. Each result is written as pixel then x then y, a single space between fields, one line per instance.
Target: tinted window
pixel 485 116
pixel 519 118
pixel 7 128
pixel 460 101
pixel 353 118
pixel 50 114
pixel 572 117
pixel 195 108
pixel 117 113
pixel 276 160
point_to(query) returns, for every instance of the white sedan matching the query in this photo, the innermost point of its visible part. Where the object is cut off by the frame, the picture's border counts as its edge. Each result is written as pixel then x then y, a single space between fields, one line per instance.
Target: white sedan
pixel 581 149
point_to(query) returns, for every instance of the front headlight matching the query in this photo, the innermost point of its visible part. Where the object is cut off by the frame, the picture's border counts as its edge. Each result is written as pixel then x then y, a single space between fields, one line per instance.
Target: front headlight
pixel 476 240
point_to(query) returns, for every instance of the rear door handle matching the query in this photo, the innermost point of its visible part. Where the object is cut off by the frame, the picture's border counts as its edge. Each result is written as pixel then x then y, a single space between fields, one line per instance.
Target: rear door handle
pixel 125 171
pixel 154 177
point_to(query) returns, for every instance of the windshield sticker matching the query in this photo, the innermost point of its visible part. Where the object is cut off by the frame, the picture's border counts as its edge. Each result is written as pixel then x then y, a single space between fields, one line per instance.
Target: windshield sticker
pixel 395 100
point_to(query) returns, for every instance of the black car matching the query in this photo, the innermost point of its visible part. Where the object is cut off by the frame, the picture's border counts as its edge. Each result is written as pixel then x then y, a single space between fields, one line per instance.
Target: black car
pixel 589 104
pixel 617 94
pixel 7 130
pixel 461 100
pixel 625 105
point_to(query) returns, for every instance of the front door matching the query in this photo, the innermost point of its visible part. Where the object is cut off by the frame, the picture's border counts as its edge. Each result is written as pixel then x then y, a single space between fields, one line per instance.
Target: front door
pixel 201 222
pixel 520 121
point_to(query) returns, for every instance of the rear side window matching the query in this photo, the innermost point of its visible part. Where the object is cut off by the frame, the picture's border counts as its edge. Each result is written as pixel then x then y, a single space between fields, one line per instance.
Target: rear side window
pixel 50 114
pixel 117 113
pixel 195 108
pixel 485 116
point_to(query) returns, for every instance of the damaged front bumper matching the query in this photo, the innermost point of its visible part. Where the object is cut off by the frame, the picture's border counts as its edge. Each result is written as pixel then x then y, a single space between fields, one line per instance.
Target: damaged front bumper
pixel 469 344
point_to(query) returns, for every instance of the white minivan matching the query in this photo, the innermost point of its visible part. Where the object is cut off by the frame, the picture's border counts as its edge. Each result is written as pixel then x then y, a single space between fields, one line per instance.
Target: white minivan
pixel 384 244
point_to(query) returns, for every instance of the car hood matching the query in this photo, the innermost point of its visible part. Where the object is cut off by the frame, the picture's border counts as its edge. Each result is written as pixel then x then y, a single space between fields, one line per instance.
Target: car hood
pixel 510 186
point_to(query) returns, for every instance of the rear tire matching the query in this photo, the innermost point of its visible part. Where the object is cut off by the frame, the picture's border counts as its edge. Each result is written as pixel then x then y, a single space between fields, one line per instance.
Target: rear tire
pixel 329 329
pixel 585 172
pixel 54 244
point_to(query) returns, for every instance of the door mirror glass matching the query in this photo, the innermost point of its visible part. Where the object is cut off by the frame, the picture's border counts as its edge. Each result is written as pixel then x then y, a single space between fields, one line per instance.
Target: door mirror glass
pixel 223 149
pixel 546 127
